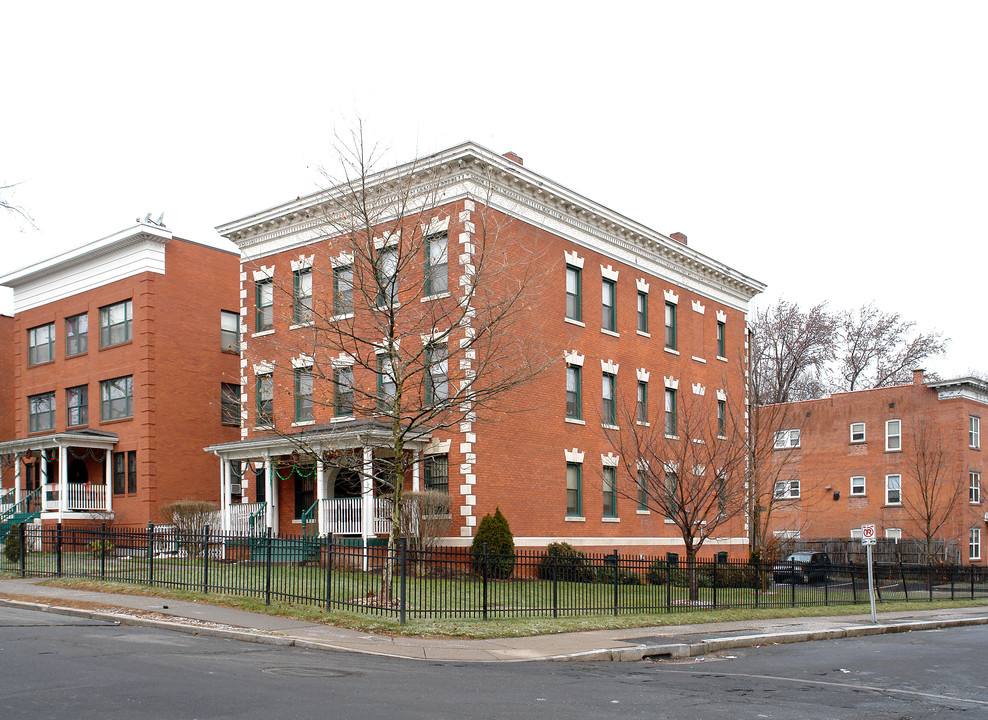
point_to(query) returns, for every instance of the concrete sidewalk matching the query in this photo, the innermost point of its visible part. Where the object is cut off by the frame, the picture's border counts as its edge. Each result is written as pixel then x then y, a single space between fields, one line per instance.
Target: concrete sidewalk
pixel 670 641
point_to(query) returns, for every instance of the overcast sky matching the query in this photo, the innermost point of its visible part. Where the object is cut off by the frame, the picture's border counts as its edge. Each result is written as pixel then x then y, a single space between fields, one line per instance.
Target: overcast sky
pixel 835 151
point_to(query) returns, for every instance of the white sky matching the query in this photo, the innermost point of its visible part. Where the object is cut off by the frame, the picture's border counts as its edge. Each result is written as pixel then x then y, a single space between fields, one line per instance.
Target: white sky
pixel 835 151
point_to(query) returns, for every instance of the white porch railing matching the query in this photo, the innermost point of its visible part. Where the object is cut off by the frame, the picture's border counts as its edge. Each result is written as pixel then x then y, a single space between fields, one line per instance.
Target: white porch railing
pixel 240 518
pixel 80 497
pixel 382 516
pixel 344 516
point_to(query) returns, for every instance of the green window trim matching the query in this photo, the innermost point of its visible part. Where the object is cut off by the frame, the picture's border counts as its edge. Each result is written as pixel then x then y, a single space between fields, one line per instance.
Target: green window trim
pixel 608 291
pixel 264 405
pixel 672 342
pixel 721 418
pixel 574 392
pixel 77 406
pixel 117 398
pixel 264 305
pixel 41 412
pixel 670 410
pixel 436 472
pixel 642 489
pixel 574 293
pixel 76 335
pixel 116 323
pixel 303 394
pixel 436 264
pixel 642 312
pixel 386 386
pixel 41 344
pixel 574 490
pixel 721 340
pixel 610 491
pixel 343 290
pixel 302 296
pixel 608 405
pixel 642 402
pixel 343 391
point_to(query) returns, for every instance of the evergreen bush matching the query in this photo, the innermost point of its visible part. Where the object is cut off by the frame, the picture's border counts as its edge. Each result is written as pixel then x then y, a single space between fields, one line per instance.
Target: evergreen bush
pixel 569 564
pixel 12 546
pixel 494 531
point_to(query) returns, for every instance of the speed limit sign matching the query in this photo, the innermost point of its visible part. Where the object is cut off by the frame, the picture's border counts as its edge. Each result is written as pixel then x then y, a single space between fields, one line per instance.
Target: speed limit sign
pixel 868 534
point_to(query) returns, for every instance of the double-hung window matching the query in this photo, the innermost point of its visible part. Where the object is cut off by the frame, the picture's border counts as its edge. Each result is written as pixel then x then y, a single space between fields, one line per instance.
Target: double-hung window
pixel 642 489
pixel 858 485
pixel 608 408
pixel 387 277
pixel 642 414
pixel 125 472
pixel 437 379
pixel 610 491
pixel 265 399
pixel 76 334
pixel 574 490
pixel 229 331
pixel 229 403
pixel 786 489
pixel 786 439
pixel 671 339
pixel 574 305
pixel 303 394
pixel 115 323
pixel 608 291
pixel 642 312
pixel 343 290
pixel 302 296
pixel 41 412
pixel 721 340
pixel 974 548
pixel 264 302
pixel 893 489
pixel 77 406
pixel 974 431
pixel 670 410
pixel 857 432
pixel 385 383
pixel 893 435
pixel 974 487
pixel 722 418
pixel 116 398
pixel 436 264
pixel 574 391
pixel 41 344
pixel 343 391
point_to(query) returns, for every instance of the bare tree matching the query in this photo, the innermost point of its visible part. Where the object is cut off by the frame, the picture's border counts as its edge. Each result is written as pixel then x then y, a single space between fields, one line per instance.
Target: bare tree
pixel 874 349
pixel 932 495
pixel 791 350
pixel 689 468
pixel 422 331
pixel 9 206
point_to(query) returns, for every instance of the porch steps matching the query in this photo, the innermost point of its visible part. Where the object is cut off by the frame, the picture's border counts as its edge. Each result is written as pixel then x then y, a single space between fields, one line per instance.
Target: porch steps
pixel 15 519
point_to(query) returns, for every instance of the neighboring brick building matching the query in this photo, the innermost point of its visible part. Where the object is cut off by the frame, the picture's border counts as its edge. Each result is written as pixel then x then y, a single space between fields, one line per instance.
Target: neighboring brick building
pixel 112 369
pixel 900 457
pixel 623 304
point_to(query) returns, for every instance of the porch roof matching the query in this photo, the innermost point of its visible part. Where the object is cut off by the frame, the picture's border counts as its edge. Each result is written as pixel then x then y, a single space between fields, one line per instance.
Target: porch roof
pixel 319 438
pixel 79 438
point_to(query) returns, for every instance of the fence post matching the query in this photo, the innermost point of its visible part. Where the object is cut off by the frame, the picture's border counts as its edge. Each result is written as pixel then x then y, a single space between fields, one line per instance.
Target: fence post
pixel 905 588
pixel 826 587
pixel 150 553
pixel 267 567
pixel 205 561
pixel 953 568
pixel 716 563
pixel 792 581
pixel 329 570
pixel 58 550
pixel 555 585
pixel 483 566
pixel 929 579
pixel 615 583
pixel 854 584
pixel 403 565
pixel 102 551
pixel 668 585
pixel 22 530
pixel 970 569
pixel 759 574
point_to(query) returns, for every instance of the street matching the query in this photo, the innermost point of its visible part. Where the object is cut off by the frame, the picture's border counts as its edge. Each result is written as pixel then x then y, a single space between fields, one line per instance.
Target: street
pixel 53 666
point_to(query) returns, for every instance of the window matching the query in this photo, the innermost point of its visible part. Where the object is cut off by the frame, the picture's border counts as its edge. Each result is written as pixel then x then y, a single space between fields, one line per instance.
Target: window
pixel 858 485
pixel 786 439
pixel 229 331
pixel 857 432
pixel 608 292
pixel 115 323
pixel 574 304
pixel 229 404
pixel 76 334
pixel 722 418
pixel 436 270
pixel 974 431
pixel 642 312
pixel 974 487
pixel 975 544
pixel 672 493
pixel 125 472
pixel 437 380
pixel 77 406
pixel 893 489
pixel 343 391
pixel 260 483
pixel 116 398
pixel 642 489
pixel 893 435
pixel 721 340
pixel 265 399
pixel 856 534
pixel 574 490
pixel 41 412
pixel 574 391
pixel 670 411
pixel 610 491
pixel 264 300
pixel 41 344
pixel 642 402
pixel 786 490
pixel 893 534
pixel 385 383
pixel 342 290
pixel 437 473
pixel 302 296
pixel 303 394
pixel 670 326
pixel 387 277
pixel 608 408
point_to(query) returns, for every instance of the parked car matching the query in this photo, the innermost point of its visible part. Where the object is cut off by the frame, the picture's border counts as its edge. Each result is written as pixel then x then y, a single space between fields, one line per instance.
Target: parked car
pixel 802 567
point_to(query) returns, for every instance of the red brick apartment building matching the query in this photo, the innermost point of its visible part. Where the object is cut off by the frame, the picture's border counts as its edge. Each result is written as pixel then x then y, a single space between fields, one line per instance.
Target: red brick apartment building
pixel 905 458
pixel 112 369
pixel 623 311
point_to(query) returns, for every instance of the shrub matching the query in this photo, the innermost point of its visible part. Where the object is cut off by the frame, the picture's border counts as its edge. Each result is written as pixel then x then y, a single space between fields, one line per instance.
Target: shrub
pixel 570 564
pixel 605 574
pixel 12 546
pixel 190 518
pixel 494 531
pixel 98 547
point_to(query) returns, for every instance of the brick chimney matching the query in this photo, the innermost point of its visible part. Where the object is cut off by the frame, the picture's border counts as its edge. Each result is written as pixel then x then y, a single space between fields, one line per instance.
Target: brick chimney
pixel 918 376
pixel 514 157
pixel 678 237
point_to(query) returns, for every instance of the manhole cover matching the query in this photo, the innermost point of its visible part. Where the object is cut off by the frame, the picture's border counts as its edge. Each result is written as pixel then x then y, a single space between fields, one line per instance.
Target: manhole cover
pixel 312 672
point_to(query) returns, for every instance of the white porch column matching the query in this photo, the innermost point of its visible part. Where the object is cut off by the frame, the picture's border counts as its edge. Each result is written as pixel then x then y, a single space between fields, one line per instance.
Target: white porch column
pixel 108 478
pixel 272 495
pixel 226 494
pixel 63 482
pixel 43 475
pixel 367 496
pixel 17 478
pixel 416 470
pixel 320 497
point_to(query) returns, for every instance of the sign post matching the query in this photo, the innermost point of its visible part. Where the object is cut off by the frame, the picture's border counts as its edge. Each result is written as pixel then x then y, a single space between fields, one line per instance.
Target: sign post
pixel 868 540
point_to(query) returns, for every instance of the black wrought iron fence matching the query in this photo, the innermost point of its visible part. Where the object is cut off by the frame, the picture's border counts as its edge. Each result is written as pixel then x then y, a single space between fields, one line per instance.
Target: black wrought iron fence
pixel 343 573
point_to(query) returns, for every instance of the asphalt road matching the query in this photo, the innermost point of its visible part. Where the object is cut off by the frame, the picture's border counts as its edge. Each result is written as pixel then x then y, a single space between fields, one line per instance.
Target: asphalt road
pixel 59 667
